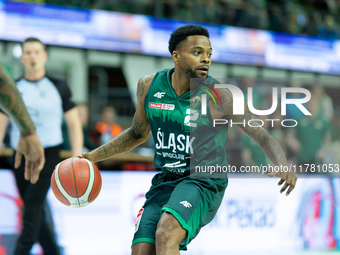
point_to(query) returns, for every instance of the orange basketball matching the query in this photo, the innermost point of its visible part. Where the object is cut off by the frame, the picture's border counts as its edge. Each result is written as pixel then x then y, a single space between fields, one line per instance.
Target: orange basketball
pixel 76 182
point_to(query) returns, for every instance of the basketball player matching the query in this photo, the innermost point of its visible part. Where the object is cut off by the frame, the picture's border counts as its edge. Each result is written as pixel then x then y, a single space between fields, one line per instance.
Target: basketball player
pixel 29 144
pixel 47 100
pixel 178 206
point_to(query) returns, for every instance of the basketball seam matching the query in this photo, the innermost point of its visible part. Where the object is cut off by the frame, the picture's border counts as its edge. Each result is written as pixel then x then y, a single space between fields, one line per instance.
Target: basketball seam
pixel 91 180
pixel 60 185
pixel 94 181
pixel 64 188
pixel 75 182
pixel 95 195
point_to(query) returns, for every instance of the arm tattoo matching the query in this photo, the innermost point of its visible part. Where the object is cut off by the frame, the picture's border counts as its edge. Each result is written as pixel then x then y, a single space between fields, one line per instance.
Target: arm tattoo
pixel 11 102
pixel 141 88
pixel 133 136
pixel 275 152
pixel 124 142
pixel 226 108
pixel 268 144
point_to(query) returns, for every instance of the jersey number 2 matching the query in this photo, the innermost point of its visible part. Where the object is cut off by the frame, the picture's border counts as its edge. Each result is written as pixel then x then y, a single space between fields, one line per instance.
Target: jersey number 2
pixel 192 115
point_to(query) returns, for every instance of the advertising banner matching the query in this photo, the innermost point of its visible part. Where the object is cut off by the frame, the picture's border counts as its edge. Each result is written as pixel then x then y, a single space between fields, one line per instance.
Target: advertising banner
pixel 253 217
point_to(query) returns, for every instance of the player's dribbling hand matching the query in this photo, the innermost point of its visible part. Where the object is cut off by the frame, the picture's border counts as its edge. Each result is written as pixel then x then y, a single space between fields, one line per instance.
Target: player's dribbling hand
pixel 288 178
pixel 31 148
pixel 87 156
pixel 84 155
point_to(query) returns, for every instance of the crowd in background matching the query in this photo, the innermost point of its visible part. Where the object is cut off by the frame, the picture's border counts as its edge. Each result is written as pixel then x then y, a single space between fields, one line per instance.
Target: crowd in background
pixel 305 17
pixel 314 141
pixel 312 17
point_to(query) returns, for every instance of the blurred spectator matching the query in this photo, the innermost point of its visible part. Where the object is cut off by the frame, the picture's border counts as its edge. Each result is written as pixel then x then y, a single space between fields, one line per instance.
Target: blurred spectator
pixel 185 10
pixel 312 22
pixel 127 6
pixel 210 12
pixel 225 13
pixel 314 135
pixel 290 16
pixel 328 28
pixel 108 5
pixel 84 118
pixel 252 154
pixel 263 19
pixel 169 8
pixel 248 82
pixel 276 19
pixel 107 128
pixel 292 26
pixel 332 154
pixel 292 111
pixel 323 103
pixel 243 15
pixel 292 146
pixel 34 1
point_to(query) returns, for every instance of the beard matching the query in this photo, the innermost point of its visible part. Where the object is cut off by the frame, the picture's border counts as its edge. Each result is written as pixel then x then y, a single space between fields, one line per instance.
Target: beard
pixel 191 73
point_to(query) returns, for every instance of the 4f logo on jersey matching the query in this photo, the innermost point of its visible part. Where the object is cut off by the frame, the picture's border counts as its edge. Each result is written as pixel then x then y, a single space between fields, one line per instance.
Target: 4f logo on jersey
pixel 159 94
pixel 186 204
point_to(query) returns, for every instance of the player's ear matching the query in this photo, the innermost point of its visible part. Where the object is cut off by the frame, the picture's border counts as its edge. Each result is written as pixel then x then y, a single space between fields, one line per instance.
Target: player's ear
pixel 175 56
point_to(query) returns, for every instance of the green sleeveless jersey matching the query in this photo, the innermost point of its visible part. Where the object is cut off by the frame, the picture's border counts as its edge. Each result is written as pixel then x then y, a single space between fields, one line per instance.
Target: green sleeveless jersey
pixel 184 138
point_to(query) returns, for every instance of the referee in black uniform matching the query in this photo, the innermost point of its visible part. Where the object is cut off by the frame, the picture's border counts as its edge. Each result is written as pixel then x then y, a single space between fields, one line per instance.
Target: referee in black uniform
pixel 47 101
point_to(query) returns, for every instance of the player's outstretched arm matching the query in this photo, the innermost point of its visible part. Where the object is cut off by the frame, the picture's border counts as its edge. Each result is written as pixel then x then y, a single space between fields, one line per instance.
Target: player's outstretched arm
pixel 268 144
pixel 132 137
pixel 11 103
pixel 4 120
pixel 29 144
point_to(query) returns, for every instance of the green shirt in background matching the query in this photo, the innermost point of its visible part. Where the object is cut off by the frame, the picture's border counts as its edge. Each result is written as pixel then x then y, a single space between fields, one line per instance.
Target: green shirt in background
pixel 310 133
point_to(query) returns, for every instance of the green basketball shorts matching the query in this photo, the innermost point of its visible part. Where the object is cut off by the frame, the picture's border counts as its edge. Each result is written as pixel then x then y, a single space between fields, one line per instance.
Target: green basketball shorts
pixel 193 202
